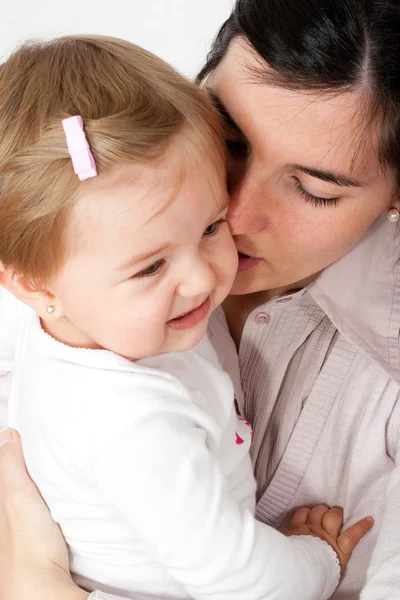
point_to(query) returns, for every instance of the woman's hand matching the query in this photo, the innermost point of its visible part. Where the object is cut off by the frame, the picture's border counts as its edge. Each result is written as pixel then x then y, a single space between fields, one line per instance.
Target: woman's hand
pixel 33 553
pixel 326 523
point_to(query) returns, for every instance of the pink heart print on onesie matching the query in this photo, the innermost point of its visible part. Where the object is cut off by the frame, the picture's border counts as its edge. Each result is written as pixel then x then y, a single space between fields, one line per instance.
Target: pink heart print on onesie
pixel 239 439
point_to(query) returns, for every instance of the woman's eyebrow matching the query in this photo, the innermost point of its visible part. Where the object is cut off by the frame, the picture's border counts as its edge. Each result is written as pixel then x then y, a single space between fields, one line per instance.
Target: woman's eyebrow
pixel 221 108
pixel 330 176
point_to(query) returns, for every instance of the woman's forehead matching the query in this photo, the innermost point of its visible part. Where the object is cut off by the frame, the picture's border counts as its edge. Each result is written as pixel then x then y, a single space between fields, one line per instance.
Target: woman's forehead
pixel 330 130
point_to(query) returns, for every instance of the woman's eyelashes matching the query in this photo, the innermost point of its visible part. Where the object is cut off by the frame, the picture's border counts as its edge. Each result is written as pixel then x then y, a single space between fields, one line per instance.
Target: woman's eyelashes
pixel 315 200
pixel 236 143
pixel 235 139
pixel 237 148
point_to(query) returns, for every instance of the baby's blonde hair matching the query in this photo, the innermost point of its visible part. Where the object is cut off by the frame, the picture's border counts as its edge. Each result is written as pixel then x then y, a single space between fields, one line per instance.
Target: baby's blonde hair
pixel 133 105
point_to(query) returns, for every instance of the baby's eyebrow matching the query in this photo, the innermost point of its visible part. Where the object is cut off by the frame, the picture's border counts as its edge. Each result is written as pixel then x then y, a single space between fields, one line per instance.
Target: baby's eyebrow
pixel 223 208
pixel 143 257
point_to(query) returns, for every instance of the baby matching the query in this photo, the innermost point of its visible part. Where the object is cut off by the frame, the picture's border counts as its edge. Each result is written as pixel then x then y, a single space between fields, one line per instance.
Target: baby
pixel 113 232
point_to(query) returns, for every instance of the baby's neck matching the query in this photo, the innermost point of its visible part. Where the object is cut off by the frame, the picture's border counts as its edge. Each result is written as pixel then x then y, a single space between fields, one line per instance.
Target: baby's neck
pixel 63 331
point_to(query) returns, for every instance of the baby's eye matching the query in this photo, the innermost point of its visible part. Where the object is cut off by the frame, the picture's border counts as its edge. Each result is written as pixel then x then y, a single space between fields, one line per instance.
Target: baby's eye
pixel 151 270
pixel 211 229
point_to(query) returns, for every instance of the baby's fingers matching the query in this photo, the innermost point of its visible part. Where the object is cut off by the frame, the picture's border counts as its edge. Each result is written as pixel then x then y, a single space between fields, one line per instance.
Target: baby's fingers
pixel 332 521
pixel 300 517
pixel 317 515
pixel 349 539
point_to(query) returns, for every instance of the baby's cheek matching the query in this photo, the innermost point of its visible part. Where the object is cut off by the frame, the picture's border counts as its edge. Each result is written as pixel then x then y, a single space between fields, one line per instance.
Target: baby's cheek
pixel 227 275
pixel 231 261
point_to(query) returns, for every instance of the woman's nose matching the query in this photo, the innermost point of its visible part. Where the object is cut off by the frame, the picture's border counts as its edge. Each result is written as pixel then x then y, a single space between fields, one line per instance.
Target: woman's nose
pixel 247 208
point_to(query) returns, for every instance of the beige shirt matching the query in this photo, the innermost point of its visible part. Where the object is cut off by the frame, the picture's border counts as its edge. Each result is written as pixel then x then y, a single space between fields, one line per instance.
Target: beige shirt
pixel 320 371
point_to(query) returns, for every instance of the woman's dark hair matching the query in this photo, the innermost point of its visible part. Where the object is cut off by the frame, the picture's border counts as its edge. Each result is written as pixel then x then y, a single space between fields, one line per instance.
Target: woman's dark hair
pixel 326 45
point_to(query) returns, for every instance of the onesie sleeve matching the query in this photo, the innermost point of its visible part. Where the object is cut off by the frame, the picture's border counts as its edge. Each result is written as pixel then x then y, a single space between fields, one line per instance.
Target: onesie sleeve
pixel 102 596
pixel 168 486
pixel 12 312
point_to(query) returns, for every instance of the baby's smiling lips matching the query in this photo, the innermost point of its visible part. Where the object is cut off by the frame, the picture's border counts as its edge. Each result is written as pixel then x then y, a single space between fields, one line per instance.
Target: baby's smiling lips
pixel 192 317
pixel 187 312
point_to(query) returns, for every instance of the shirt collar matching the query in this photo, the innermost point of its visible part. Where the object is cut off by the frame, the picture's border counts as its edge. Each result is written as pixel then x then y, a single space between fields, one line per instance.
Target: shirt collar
pixel 360 293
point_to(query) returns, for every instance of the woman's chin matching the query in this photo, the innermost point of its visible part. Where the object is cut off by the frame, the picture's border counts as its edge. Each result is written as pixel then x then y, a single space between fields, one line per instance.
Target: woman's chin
pixel 253 282
pixel 260 278
pixel 248 283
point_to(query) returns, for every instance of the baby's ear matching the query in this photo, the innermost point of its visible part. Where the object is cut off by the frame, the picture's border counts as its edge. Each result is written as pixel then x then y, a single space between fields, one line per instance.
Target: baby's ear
pixel 34 294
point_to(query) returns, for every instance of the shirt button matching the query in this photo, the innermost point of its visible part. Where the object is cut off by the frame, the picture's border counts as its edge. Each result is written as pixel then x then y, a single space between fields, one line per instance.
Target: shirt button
pixel 262 318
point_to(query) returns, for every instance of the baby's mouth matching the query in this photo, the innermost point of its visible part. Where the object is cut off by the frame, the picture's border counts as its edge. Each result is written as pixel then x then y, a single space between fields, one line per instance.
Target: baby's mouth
pixel 192 317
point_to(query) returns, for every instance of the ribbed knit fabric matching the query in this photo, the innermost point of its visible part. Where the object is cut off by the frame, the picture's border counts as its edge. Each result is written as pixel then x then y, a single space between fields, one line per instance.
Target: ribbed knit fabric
pixel 324 416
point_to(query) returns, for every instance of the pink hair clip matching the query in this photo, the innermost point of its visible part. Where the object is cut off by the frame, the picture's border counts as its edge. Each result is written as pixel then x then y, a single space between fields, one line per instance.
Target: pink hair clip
pixel 79 149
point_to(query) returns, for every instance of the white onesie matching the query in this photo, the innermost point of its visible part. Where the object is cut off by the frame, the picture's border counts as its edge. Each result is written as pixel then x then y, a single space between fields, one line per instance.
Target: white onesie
pixel 145 466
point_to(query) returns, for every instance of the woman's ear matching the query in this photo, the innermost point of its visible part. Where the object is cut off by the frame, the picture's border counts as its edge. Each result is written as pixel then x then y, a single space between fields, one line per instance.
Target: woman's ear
pixel 34 294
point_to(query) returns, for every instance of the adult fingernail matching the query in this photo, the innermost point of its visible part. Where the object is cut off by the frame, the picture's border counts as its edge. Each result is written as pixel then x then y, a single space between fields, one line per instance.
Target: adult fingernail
pixel 5 437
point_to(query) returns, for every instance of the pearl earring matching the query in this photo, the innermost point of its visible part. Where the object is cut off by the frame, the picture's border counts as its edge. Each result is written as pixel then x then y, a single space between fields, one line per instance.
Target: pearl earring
pixel 50 309
pixel 393 215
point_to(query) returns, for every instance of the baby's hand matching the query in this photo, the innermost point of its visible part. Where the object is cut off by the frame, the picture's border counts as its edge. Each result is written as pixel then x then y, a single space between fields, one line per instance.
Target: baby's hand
pixel 325 523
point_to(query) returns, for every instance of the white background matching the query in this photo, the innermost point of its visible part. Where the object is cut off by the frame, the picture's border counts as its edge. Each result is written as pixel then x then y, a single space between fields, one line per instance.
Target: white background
pixel 180 31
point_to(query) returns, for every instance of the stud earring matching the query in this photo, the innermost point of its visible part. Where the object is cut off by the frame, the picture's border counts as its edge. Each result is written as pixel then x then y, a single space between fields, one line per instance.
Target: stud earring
pixel 50 309
pixel 393 215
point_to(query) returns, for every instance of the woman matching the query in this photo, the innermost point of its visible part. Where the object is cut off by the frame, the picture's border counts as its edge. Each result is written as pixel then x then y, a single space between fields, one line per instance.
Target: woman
pixel 311 92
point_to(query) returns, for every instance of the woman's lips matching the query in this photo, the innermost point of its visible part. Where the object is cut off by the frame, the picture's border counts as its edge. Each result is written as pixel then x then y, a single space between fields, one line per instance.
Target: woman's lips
pixel 247 262
pixel 192 318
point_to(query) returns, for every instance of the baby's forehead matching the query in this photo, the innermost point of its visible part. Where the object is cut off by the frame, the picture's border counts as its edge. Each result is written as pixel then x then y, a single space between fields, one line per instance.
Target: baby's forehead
pixel 119 194
pixel 134 197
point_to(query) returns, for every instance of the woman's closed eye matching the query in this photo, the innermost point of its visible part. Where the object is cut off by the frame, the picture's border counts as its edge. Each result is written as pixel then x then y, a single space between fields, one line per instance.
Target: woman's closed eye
pixel 236 142
pixel 315 200
pixel 237 148
pixel 153 269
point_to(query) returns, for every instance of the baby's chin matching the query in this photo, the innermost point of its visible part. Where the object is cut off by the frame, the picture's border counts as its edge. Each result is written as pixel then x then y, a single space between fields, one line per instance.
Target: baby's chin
pixel 187 340
pixel 183 342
